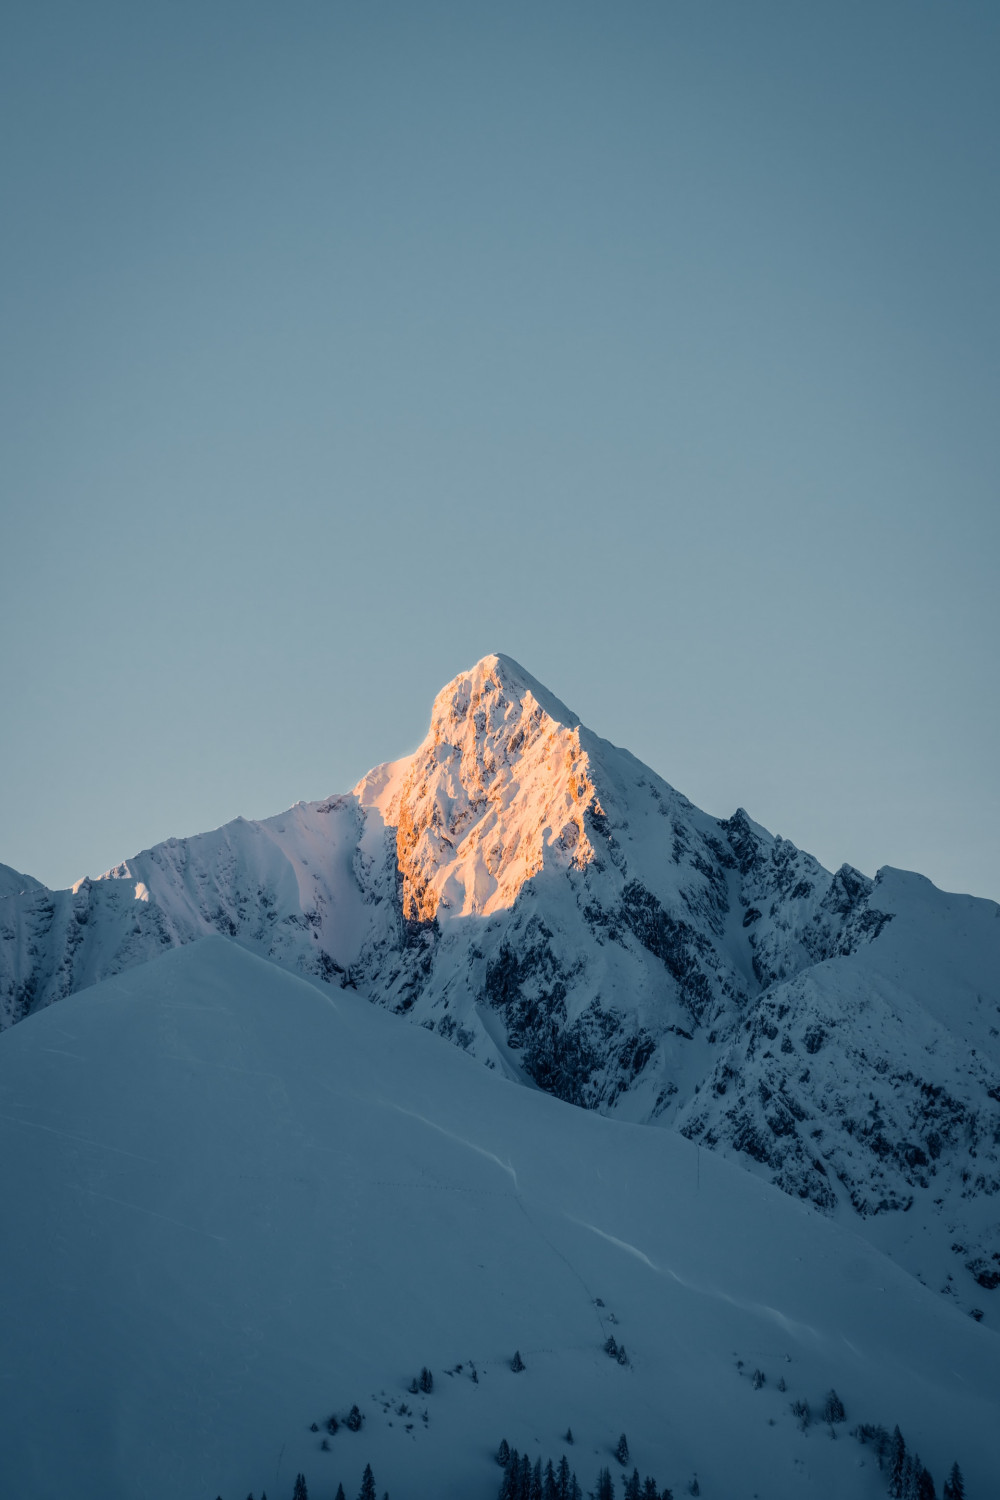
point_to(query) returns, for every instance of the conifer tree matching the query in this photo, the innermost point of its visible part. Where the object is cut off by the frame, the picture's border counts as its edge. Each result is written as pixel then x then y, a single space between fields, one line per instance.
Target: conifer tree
pixel 897 1464
pixel 503 1453
pixel 562 1479
pixel 535 1493
pixel 340 1493
pixel 550 1490
pixel 954 1485
pixel 633 1488
pixel 367 1490
pixel 621 1452
pixel 605 1486
pixel 510 1485
pixel 426 1380
pixel 925 1485
pixel 833 1408
pixel 524 1487
pixel 649 1490
pixel 300 1492
pixel 517 1363
pixel 354 1419
pixel 569 1435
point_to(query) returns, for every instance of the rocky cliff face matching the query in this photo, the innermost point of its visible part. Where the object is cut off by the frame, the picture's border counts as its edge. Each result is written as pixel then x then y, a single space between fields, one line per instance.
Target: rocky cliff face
pixel 545 901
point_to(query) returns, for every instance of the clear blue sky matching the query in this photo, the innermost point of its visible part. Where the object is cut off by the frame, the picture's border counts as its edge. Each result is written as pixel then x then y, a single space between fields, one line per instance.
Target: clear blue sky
pixel 656 345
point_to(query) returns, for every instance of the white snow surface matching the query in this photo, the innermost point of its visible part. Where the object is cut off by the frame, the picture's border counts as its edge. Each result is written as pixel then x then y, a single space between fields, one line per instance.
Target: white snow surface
pixel 556 909
pixel 237 1203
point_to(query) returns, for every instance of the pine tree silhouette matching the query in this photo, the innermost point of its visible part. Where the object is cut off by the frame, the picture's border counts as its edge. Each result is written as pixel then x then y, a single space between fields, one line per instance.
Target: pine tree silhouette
pixel 633 1488
pixel 300 1492
pixel 621 1452
pixel 340 1493
pixel 510 1485
pixel 954 1485
pixel 535 1492
pixel 833 1408
pixel 367 1490
pixel 563 1479
pixel 605 1486
pixel 925 1485
pixel 897 1464
pixel 426 1380
pixel 503 1453
pixel 517 1363
pixel 354 1419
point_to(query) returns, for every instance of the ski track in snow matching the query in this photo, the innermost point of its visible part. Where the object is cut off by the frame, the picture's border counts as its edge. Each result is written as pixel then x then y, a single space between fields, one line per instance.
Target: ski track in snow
pixel 153 1214
pixel 460 1140
pixel 798 1330
pixel 84 1140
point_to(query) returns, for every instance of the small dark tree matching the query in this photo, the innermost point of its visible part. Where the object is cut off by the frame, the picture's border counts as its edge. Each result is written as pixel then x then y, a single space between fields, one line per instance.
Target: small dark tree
pixel 925 1485
pixel 621 1452
pixel 367 1490
pixel 622 1356
pixel 524 1484
pixel 300 1492
pixel 503 1453
pixel 517 1363
pixel 510 1485
pixel 563 1479
pixel 633 1488
pixel 313 1427
pixel 569 1435
pixel 332 1424
pixel 354 1419
pixel 340 1493
pixel 649 1490
pixel 781 1384
pixel 325 1445
pixel 833 1408
pixel 611 1346
pixel 802 1414
pixel 757 1379
pixel 426 1380
pixel 954 1485
pixel 897 1464
pixel 694 1488
pixel 605 1486
pixel 535 1493
pixel 550 1490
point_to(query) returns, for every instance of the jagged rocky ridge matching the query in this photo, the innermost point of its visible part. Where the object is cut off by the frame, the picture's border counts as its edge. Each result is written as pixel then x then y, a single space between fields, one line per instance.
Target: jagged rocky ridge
pixel 550 904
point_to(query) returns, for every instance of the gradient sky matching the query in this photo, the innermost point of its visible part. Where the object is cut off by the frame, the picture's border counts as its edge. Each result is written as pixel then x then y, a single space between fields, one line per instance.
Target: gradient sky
pixel 656 345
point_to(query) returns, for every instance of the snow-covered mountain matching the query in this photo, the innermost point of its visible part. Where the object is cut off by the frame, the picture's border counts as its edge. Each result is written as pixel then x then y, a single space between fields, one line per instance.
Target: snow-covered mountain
pixel 238 1205
pixel 541 898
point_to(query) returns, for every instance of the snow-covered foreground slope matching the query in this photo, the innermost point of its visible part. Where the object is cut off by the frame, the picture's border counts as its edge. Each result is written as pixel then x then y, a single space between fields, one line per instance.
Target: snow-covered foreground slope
pixel 542 899
pixel 236 1205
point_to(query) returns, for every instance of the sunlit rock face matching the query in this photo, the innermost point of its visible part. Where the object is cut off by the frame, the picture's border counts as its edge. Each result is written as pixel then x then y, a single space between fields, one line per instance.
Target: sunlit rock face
pixel 498 787
pixel 548 903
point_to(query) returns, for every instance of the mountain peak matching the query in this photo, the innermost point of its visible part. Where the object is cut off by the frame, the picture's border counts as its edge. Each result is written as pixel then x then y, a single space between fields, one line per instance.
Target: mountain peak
pixel 500 677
